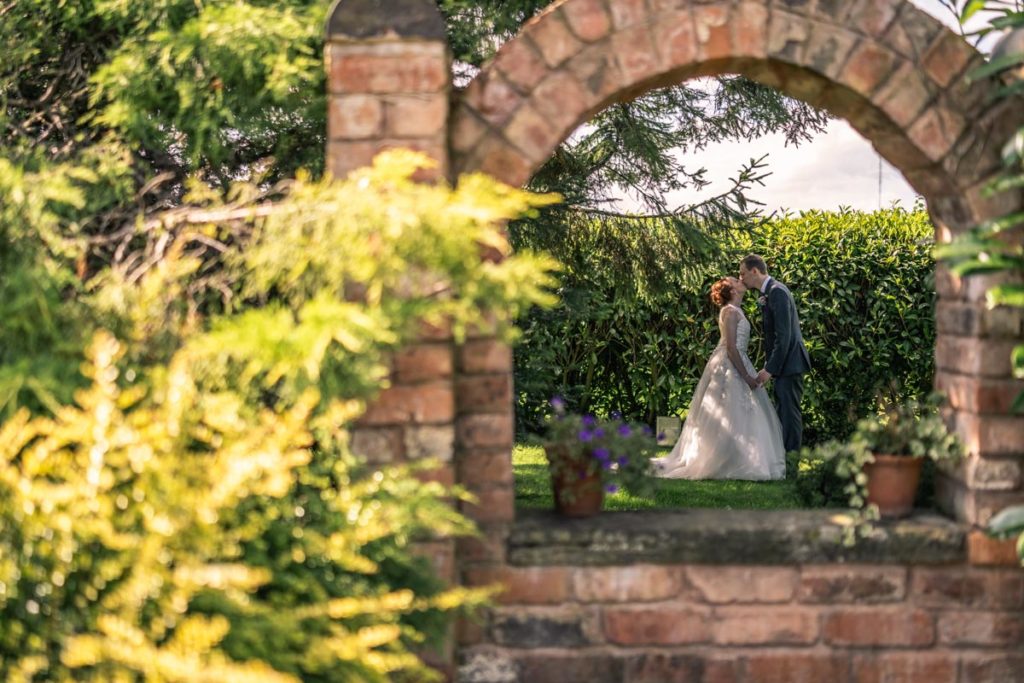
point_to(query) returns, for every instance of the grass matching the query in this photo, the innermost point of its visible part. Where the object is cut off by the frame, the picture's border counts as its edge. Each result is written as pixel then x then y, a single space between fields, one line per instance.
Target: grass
pixel 533 490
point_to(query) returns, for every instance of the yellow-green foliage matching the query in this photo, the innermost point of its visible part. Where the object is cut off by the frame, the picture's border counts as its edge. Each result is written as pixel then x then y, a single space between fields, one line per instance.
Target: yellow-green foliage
pixel 194 514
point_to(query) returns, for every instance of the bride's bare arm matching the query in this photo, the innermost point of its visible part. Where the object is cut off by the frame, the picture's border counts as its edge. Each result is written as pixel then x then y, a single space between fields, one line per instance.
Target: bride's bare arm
pixel 732 321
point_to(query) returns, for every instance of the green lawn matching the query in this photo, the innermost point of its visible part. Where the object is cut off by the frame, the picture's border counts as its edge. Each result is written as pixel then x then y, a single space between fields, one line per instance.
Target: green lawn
pixel 533 490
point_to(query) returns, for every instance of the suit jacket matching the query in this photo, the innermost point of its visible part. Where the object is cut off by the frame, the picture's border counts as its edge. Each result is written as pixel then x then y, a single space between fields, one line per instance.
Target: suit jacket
pixel 785 353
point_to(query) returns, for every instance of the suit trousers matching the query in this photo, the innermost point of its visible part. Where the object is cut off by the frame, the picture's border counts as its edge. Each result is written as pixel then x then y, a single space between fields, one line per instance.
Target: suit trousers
pixel 789 389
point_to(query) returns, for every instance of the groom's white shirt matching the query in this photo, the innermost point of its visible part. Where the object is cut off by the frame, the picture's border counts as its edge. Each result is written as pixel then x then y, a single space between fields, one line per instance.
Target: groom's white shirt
pixel 764 285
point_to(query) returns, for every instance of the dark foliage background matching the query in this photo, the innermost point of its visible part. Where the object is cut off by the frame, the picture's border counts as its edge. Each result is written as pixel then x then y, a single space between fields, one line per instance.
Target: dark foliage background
pixel 635 325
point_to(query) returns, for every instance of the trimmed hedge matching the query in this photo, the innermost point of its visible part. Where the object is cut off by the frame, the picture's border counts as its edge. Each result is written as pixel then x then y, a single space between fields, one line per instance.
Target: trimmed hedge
pixel 863 284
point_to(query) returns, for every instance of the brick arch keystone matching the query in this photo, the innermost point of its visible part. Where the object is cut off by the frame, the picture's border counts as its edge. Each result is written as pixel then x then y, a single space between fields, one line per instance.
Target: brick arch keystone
pixel 893 72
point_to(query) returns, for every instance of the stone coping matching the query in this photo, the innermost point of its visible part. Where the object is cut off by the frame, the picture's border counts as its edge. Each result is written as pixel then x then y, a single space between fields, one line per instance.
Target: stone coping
pixel 746 537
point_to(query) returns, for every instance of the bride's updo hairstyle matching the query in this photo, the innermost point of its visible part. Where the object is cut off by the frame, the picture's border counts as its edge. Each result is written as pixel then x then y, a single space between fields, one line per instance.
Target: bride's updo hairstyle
pixel 721 292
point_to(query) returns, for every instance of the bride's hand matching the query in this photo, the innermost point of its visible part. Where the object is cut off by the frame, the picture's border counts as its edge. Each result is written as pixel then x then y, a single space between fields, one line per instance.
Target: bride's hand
pixel 751 382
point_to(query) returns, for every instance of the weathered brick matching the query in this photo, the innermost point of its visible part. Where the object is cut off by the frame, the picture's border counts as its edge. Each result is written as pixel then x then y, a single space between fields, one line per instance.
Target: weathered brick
pixel 787 35
pixel 868 67
pixel 635 53
pixel 626 13
pixel 749 29
pixel 561 100
pixel 872 17
pixel 713 31
pixel 521 64
pixel 676 41
pixel 493 98
pixel 381 445
pixel 587 19
pixel 443 474
pixel 991 434
pixel 597 70
pixel 541 627
pixel 827 49
pixel 553 39
pixel 422 403
pixel 796 667
pixel 981 628
pixel 881 628
pixel 486 468
pixel 905 667
pixel 484 393
pixel 972 393
pixel 904 96
pixel 634 583
pixel 560 668
pixel 355 117
pixel 346 156
pixel 362 73
pixel 992 668
pixel 666 625
pixel 722 585
pixel 495 504
pixel 422 362
pixel 947 57
pixel 973 356
pixel 663 668
pixel 485 356
pixel 912 32
pixel 783 625
pixel 833 11
pixel 497 158
pixel 936 130
pixel 487 548
pixel 470 629
pixel 983 550
pixel 525 585
pixel 417 115
pixel 993 474
pixel 977 588
pixel 431 441
pixel 533 134
pixel 857 584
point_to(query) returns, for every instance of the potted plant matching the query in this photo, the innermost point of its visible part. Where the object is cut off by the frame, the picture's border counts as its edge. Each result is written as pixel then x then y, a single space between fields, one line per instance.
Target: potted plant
pixel 881 461
pixel 588 457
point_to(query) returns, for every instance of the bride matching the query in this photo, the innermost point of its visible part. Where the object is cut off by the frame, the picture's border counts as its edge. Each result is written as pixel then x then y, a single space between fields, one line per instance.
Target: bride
pixel 732 430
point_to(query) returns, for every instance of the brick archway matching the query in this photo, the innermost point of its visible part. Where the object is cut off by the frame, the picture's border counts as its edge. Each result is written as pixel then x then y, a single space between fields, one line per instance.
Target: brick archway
pixel 727 595
pixel 892 71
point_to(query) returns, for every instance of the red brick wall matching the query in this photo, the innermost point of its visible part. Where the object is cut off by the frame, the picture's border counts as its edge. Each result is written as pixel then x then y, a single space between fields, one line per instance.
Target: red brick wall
pixel 814 623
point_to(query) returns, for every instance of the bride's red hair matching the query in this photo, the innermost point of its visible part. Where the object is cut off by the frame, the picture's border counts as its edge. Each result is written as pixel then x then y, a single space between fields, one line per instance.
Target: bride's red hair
pixel 722 291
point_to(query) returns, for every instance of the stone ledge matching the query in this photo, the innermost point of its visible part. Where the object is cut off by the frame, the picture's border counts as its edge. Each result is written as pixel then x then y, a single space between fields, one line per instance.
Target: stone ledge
pixel 745 537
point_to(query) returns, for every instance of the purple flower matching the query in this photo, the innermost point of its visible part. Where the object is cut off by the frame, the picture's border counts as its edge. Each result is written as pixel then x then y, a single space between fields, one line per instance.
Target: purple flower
pixel 661 436
pixel 647 430
pixel 586 435
pixel 602 454
pixel 623 461
pixel 558 403
pixel 598 433
pixel 616 415
pixel 624 430
pixel 589 421
pixel 611 488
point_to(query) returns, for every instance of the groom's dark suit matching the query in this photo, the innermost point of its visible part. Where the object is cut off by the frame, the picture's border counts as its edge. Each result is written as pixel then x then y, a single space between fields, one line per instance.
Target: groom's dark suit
pixel 786 359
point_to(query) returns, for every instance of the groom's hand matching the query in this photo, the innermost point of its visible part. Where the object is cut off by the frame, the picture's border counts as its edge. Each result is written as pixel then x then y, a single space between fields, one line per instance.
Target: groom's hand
pixel 763 377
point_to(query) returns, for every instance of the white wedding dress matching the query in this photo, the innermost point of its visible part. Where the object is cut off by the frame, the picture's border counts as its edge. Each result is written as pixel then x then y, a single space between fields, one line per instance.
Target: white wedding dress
pixel 731 431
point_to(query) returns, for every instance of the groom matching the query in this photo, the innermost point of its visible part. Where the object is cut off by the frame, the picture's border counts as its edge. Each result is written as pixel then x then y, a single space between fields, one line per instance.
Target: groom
pixel 786 358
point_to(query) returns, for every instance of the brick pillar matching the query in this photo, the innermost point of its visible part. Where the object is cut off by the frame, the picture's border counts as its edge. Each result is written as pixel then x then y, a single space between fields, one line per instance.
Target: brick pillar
pixel 389 67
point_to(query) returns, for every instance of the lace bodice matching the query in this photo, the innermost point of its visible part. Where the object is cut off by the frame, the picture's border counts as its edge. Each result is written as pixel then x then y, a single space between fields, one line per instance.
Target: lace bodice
pixel 742 329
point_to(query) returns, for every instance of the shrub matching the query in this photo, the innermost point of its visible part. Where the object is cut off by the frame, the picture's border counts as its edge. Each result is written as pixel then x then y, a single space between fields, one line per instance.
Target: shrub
pixel 620 341
pixel 195 513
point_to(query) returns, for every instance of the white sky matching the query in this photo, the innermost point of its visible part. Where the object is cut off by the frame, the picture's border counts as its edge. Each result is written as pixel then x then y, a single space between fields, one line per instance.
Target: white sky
pixel 838 168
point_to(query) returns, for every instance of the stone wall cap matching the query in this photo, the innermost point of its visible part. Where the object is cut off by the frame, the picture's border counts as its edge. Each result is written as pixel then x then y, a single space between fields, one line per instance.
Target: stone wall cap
pixel 745 537
pixel 364 19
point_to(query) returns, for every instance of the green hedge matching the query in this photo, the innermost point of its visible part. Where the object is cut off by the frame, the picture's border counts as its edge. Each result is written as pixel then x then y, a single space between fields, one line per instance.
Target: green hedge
pixel 621 341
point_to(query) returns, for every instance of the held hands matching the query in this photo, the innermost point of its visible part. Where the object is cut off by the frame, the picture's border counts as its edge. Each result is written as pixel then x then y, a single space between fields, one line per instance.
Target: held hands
pixel 763 377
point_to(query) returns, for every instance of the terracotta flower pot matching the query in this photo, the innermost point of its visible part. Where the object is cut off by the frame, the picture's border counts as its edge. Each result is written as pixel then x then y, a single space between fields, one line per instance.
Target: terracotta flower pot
pixel 892 484
pixel 577 489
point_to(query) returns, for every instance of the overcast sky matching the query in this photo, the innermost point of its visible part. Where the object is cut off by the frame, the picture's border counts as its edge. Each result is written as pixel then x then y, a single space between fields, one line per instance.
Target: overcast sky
pixel 836 169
